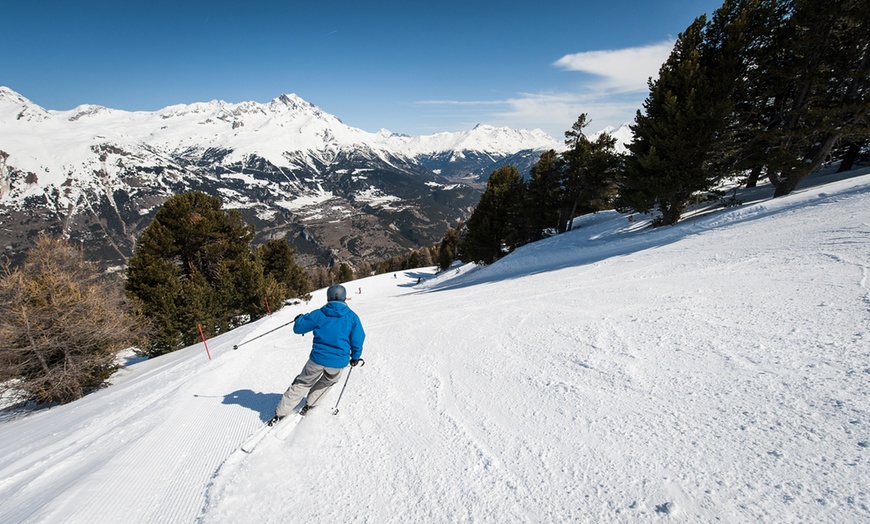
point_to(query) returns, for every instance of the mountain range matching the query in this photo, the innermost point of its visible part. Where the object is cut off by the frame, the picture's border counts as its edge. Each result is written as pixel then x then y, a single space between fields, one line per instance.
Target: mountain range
pixel 97 175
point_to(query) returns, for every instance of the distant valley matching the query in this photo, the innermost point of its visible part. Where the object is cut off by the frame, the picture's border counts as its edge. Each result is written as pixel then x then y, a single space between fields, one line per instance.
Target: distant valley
pixel 337 193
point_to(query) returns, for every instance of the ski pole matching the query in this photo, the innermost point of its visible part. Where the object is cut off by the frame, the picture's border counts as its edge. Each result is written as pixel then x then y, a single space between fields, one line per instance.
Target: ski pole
pixel 335 409
pixel 236 346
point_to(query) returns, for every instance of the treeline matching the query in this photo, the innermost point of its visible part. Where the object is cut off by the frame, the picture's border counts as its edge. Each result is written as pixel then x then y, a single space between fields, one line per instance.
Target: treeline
pixel 326 276
pixel 765 88
pixel 512 211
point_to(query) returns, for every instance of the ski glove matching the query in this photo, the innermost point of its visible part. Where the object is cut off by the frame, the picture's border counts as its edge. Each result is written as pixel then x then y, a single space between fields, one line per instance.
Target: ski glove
pixel 355 361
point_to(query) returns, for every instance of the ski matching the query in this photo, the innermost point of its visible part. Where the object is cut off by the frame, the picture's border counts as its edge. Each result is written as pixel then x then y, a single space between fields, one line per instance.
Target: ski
pixel 249 445
pixel 281 429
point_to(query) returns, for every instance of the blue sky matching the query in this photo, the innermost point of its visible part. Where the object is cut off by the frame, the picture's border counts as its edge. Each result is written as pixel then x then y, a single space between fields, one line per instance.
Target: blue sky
pixel 407 66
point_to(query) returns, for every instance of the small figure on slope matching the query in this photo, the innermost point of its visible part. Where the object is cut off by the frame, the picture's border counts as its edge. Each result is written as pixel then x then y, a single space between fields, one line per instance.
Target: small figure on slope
pixel 338 341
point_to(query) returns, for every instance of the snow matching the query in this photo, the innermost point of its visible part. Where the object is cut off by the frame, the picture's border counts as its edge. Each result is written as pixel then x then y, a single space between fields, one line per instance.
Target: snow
pixel 375 197
pixel 309 200
pixel 716 370
pixel 52 144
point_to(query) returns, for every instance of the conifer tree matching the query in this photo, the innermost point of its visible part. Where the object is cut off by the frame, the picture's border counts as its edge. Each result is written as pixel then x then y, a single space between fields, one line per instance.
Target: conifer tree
pixel 344 273
pixel 589 173
pixel 497 225
pixel 62 325
pixel 545 195
pixel 449 247
pixel 675 136
pixel 278 259
pixel 816 90
pixel 194 265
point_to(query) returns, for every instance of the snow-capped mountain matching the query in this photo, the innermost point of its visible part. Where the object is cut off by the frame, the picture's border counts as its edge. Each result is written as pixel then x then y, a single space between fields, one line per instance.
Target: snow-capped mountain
pixel 623 135
pixel 98 174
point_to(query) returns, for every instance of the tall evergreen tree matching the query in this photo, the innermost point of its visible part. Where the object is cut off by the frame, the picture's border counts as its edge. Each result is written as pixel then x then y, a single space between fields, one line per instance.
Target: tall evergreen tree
pixel 449 247
pixel 278 259
pixel 544 195
pixel 676 134
pixel 497 225
pixel 194 265
pixel 730 55
pixel 589 174
pixel 344 273
pixel 806 86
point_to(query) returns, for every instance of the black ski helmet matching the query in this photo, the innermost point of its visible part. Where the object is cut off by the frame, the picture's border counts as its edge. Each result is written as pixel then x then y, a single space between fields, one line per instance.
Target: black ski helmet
pixel 336 292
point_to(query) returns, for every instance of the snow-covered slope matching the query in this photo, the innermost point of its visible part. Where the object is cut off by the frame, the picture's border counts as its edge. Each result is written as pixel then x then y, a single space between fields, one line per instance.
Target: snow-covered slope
pixel 623 135
pixel 715 371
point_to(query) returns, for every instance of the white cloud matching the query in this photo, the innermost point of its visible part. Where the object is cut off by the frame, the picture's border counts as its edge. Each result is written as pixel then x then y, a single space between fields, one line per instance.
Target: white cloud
pixel 610 100
pixel 620 70
pixel 555 113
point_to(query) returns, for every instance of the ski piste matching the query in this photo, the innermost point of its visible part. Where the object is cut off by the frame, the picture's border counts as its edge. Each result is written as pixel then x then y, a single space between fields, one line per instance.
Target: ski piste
pixel 281 430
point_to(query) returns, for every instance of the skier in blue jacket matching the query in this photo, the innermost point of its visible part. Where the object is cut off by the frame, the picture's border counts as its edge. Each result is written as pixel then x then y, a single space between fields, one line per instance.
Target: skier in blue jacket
pixel 338 341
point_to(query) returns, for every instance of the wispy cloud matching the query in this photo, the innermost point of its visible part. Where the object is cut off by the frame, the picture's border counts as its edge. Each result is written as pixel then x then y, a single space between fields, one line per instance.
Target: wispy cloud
pixel 611 98
pixel 554 113
pixel 620 70
pixel 557 112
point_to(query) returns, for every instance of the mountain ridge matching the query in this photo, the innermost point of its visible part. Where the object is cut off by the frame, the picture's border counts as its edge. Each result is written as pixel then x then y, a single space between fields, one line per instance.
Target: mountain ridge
pixel 338 193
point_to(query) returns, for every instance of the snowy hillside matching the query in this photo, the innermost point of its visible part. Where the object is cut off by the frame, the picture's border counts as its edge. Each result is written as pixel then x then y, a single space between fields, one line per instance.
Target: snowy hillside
pixel 714 371
pixel 34 137
pixel 97 175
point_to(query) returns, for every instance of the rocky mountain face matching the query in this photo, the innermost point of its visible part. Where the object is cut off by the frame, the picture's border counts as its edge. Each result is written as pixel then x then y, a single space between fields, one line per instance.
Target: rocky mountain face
pixel 339 194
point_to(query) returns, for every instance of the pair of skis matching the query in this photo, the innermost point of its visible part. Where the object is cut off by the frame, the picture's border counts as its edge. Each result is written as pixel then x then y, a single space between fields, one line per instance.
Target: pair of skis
pixel 285 426
pixel 281 430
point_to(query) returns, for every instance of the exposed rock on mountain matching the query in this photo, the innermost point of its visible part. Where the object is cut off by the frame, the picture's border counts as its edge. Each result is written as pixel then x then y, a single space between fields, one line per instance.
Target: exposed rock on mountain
pixel 98 175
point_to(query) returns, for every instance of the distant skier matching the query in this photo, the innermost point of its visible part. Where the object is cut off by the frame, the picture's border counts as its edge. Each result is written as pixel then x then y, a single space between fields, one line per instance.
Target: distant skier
pixel 338 341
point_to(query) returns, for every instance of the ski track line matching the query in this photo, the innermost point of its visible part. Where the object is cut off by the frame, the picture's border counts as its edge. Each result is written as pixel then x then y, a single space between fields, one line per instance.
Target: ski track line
pixel 183 477
pixel 223 478
pixel 69 457
pixel 177 474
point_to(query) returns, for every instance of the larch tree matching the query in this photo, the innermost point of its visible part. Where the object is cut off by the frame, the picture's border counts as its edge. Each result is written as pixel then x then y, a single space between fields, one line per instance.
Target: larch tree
pixel 62 325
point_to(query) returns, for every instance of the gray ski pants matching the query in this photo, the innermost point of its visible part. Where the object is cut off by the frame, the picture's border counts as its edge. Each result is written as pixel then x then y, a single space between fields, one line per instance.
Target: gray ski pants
pixel 314 380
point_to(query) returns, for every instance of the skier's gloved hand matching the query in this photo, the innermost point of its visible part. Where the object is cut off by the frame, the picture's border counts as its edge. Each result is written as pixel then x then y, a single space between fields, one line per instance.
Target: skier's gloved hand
pixel 297 318
pixel 355 361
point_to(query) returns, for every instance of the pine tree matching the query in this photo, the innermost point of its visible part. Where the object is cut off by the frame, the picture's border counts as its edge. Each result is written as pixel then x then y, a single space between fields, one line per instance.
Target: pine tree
pixel 449 247
pixel 589 174
pixel 193 266
pixel 344 273
pixel 806 85
pixel 497 225
pixel 828 95
pixel 676 135
pixel 278 259
pixel 545 195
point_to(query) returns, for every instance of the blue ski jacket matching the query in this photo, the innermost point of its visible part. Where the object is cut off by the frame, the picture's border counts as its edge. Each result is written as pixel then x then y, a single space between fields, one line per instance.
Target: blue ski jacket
pixel 338 334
